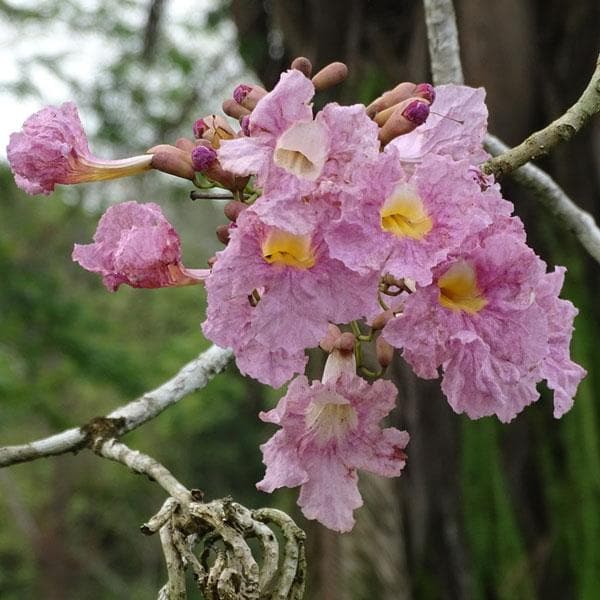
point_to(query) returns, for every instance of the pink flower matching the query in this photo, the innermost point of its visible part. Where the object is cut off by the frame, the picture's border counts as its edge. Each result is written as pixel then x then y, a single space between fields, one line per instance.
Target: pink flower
pixel 493 321
pixel 561 373
pixel 328 431
pixel 353 153
pixel 52 148
pixel 286 146
pixel 406 224
pixel 302 164
pixel 134 244
pixel 274 293
pixel 455 128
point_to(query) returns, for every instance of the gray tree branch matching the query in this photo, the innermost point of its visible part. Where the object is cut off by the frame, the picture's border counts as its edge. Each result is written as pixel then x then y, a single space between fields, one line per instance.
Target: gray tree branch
pixel 543 141
pixel 442 35
pixel 193 376
pixel 553 197
pixel 446 68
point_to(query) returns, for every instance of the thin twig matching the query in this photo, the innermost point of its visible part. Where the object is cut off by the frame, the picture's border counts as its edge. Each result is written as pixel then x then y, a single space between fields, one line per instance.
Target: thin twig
pixel 552 196
pixel 193 376
pixel 562 129
pixel 175 588
pixel 143 464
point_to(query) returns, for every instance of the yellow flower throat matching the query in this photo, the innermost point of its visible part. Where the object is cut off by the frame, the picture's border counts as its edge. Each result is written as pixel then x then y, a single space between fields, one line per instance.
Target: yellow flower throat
pixel 459 291
pixel 404 215
pixel 282 248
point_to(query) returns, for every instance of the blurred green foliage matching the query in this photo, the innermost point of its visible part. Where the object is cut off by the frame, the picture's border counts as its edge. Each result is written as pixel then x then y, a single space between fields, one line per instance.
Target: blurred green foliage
pixel 71 351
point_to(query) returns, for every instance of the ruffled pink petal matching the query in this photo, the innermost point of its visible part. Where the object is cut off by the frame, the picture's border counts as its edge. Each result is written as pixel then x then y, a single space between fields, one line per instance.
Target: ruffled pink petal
pixel 455 130
pixel 331 494
pixel 284 469
pixel 134 244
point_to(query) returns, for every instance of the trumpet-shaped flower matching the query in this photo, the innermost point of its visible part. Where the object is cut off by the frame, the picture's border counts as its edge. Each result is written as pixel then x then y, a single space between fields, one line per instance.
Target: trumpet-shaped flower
pixel 492 319
pixel 136 245
pixel 407 224
pixel 276 292
pixel 285 146
pixel 302 164
pixel 328 431
pixel 52 148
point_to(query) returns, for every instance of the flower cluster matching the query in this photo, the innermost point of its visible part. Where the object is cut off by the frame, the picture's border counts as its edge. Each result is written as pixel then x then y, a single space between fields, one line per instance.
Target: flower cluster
pixel 373 219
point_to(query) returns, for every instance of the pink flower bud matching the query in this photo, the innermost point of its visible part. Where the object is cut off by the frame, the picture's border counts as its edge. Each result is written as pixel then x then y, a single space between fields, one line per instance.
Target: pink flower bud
pixel 384 351
pixel 345 343
pixel 203 157
pixel 199 128
pixel 391 98
pixel 245 125
pixel 223 234
pixel 185 144
pixel 405 117
pixel 234 209
pixel 332 335
pixel 240 92
pixel 213 128
pixel 380 321
pixel 233 109
pixel 416 112
pixel 248 95
pixel 171 160
pixel 303 65
pixel 426 91
pixel 330 75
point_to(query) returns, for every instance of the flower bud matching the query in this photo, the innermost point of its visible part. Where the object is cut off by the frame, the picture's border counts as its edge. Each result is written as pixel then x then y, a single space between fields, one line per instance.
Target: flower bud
pixel 185 144
pixel 384 352
pixel 406 117
pixel 345 343
pixel 401 92
pixel 199 128
pixel 214 129
pixel 212 169
pixel 223 234
pixel 330 75
pixel 425 91
pixel 380 321
pixel 172 160
pixel 332 335
pixel 248 95
pixel 240 92
pixel 303 65
pixel 416 112
pixel 338 362
pixel 233 109
pixel 245 125
pixel 234 209
pixel 203 157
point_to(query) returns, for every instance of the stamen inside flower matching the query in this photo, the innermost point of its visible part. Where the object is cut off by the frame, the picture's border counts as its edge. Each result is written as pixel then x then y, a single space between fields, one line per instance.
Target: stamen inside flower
pixel 330 416
pixel 404 215
pixel 458 289
pixel 282 248
pixel 302 150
